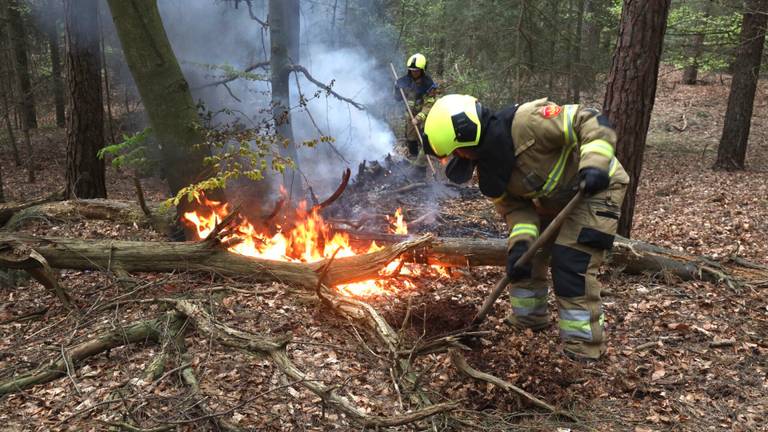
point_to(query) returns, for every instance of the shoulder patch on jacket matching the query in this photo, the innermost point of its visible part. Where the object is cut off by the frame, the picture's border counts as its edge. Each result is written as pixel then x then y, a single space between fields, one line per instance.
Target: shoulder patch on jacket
pixel 549 111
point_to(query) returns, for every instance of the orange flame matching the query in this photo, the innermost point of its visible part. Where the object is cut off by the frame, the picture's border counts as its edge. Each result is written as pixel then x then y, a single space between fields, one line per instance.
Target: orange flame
pixel 309 240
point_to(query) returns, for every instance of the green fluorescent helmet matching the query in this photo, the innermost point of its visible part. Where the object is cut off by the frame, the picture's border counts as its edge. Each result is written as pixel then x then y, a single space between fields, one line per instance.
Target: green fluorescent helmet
pixel 417 61
pixel 453 122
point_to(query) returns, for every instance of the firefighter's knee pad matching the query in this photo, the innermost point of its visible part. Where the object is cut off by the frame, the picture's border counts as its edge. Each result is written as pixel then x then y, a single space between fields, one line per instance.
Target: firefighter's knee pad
pixel 569 267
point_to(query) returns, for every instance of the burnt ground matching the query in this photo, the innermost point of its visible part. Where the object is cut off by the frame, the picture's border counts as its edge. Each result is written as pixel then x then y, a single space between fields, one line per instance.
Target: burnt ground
pixel 665 369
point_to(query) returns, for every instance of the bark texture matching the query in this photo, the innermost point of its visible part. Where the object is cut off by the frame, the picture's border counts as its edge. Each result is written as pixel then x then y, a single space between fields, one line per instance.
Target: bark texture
pixel 54 47
pixel 163 88
pixel 85 124
pixel 284 40
pixel 18 37
pixel 732 152
pixel 631 88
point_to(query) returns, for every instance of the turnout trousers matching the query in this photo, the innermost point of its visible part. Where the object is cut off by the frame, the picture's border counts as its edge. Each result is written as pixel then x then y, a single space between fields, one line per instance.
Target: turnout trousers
pixel 574 259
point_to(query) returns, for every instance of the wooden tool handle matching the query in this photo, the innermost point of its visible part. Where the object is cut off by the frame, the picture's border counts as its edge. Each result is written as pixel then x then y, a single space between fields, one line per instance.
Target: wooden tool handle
pixel 501 285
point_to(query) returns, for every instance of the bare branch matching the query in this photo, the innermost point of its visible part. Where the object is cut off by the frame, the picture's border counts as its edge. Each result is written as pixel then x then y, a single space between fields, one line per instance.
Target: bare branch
pixel 303 70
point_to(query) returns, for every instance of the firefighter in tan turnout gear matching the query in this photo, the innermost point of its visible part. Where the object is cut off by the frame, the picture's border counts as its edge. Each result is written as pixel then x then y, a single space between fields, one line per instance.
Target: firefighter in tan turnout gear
pixel 420 91
pixel 530 160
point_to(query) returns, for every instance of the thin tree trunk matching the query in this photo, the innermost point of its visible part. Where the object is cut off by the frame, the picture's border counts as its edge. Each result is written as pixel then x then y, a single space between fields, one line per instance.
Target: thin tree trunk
pixel 58 82
pixel 691 71
pixel 9 129
pixel 732 152
pixel 590 42
pixel 577 68
pixel 18 37
pixel 85 124
pixel 631 88
pixel 284 52
pixel 24 103
pixel 7 90
pixel 107 95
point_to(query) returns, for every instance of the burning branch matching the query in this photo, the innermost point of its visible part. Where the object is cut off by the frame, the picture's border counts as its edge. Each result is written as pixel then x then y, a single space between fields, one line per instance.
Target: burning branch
pixel 337 193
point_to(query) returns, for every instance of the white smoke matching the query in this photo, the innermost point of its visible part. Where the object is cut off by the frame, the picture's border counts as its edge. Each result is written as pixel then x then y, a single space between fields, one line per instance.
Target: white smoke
pixel 207 32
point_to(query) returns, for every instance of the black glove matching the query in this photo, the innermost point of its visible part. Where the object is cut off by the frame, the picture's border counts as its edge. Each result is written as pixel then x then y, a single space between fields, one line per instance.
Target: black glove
pixel 522 272
pixel 594 180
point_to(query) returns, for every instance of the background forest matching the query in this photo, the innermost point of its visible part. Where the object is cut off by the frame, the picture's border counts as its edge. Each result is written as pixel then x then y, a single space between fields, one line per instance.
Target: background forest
pixel 128 126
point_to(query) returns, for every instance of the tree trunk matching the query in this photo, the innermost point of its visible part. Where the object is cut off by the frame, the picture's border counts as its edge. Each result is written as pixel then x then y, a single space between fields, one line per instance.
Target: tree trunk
pixel 58 82
pixel 732 152
pixel 164 91
pixel 576 66
pixel 631 88
pixel 18 35
pixel 634 257
pixel 7 95
pixel 691 71
pixel 17 251
pixel 85 124
pixel 284 39
pixel 591 42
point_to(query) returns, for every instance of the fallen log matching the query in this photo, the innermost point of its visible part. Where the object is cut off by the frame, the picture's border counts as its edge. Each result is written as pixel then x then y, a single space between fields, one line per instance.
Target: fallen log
pixel 632 256
pixel 8 210
pixel 126 212
pixel 19 251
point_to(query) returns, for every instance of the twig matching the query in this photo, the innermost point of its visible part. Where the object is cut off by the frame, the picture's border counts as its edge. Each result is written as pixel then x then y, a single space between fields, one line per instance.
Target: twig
pixel 67 363
pixel 461 364
pixel 722 343
pixel 410 187
pixel 328 89
pixel 27 315
pixel 232 78
pixel 253 16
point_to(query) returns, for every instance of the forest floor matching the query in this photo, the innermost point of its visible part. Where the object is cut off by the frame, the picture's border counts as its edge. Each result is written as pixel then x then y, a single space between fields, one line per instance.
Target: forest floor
pixel 667 367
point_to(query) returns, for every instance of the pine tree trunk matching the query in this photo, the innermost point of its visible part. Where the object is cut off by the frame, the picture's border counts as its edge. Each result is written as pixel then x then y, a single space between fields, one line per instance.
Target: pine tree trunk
pixel 283 34
pixel 631 88
pixel 18 36
pixel 164 91
pixel 7 90
pixel 58 82
pixel 85 124
pixel 576 68
pixel 732 152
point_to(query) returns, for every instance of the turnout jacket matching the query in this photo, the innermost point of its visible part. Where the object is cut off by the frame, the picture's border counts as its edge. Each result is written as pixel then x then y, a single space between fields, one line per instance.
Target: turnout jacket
pixel 420 93
pixel 551 144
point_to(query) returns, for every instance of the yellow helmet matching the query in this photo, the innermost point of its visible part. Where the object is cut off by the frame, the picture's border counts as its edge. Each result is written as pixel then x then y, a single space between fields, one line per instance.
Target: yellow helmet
pixel 417 61
pixel 453 122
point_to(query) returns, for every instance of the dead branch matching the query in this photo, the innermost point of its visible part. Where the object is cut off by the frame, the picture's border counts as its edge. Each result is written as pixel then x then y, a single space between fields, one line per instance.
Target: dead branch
pixel 278 206
pixel 275 349
pixel 57 368
pixel 328 89
pixel 8 210
pixel 20 256
pixel 461 364
pixel 409 187
pixel 140 197
pixel 337 193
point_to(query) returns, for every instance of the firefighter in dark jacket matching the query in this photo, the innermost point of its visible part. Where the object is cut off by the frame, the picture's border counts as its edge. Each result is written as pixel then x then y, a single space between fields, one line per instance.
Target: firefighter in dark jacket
pixel 420 92
pixel 530 160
